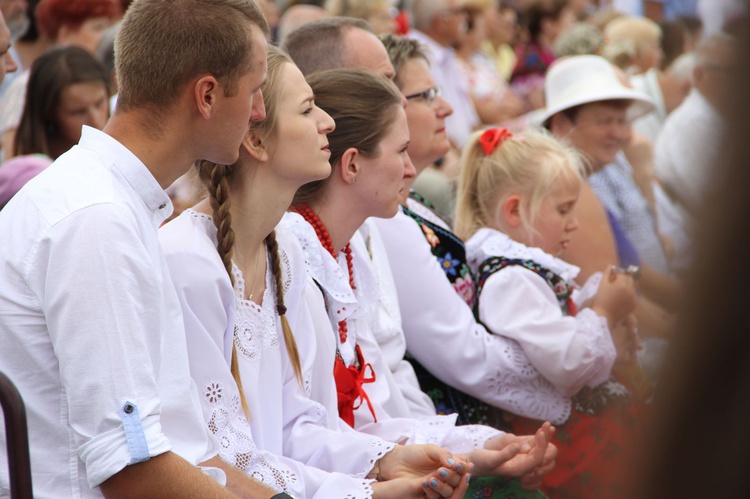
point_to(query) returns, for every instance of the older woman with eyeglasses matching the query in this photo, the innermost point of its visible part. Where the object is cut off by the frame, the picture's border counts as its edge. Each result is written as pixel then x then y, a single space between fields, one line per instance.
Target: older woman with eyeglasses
pixel 426 113
pixel 459 364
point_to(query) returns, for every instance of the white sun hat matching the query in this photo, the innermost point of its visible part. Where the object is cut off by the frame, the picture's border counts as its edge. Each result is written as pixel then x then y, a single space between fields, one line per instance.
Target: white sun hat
pixel 584 79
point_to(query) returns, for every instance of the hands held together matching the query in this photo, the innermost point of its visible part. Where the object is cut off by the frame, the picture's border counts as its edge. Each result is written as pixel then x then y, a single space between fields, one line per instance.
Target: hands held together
pixel 418 471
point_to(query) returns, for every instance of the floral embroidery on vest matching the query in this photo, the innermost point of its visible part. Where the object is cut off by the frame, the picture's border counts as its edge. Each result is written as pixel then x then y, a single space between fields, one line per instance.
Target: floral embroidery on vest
pixel 448 249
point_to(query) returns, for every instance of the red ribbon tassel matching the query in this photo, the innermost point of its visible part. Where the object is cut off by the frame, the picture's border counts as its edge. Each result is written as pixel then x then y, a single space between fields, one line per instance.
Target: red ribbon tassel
pixel 492 138
pixel 349 381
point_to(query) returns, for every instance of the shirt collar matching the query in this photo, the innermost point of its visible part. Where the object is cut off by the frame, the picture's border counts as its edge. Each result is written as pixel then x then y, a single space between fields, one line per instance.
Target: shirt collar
pixel 486 243
pixel 131 168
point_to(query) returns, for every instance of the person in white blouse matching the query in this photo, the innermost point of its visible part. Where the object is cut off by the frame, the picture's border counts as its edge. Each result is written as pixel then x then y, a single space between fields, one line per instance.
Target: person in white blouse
pixel 90 326
pixel 341 42
pixel 370 166
pixel 240 283
pixel 438 326
pixel 516 210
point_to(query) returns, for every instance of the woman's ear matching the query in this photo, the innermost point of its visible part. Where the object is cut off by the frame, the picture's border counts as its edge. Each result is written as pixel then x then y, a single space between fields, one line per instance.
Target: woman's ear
pixel 349 165
pixel 255 146
pixel 510 211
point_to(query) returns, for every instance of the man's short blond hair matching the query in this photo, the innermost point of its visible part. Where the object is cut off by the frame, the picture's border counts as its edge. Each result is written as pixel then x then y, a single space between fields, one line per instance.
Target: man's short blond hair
pixel 162 45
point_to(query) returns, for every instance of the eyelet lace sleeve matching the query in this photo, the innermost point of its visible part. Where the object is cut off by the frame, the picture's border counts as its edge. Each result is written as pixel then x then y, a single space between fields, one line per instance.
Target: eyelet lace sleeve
pixel 236 445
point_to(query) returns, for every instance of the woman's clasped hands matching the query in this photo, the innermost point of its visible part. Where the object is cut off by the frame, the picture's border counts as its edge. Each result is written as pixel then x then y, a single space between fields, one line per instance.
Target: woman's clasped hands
pixel 421 471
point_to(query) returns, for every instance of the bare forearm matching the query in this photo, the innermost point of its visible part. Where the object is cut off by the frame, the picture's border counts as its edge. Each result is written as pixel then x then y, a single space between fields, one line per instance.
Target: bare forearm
pixel 661 289
pixel 239 483
pixel 654 321
pixel 165 475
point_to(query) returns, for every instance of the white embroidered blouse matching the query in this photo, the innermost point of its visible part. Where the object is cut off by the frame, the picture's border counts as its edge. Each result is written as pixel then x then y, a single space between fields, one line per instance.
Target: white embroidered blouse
pixel 571 352
pixel 395 389
pixel 443 335
pixel 283 420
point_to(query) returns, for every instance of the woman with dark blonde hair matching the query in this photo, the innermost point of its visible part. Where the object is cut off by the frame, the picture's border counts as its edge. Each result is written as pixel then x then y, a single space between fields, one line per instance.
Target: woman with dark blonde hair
pixel 346 261
pixel 238 279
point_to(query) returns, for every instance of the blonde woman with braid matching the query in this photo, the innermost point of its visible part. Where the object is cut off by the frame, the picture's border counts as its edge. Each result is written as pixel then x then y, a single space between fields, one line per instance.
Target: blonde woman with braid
pixel 238 279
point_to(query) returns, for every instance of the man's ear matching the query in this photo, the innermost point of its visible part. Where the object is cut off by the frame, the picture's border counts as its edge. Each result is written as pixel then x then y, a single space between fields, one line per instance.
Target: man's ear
pixel 255 146
pixel 510 211
pixel 206 91
pixel 560 125
pixel 349 165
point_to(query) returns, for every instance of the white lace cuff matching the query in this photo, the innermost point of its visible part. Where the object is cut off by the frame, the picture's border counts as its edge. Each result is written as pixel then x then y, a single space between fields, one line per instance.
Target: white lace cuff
pixel 377 449
pixel 518 387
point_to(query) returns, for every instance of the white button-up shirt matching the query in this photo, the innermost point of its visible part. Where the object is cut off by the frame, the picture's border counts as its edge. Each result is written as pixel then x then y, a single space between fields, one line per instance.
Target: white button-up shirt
pixel 91 330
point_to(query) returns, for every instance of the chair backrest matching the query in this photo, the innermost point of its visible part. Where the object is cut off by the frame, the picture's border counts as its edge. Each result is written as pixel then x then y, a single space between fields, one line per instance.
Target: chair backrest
pixel 17 440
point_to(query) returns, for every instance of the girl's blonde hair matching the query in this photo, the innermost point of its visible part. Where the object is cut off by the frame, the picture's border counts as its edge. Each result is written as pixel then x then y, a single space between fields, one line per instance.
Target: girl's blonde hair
pixel 528 164
pixel 217 180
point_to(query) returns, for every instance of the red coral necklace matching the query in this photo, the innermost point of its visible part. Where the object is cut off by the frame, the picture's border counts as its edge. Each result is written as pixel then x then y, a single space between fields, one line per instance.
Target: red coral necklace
pixel 325 239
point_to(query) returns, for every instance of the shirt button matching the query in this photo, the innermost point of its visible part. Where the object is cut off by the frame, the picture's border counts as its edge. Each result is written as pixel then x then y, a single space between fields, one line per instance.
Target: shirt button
pixel 162 206
pixel 128 408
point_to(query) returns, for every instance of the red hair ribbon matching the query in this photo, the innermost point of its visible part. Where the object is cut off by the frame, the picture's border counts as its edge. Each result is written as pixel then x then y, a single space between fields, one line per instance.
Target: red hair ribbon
pixel 492 138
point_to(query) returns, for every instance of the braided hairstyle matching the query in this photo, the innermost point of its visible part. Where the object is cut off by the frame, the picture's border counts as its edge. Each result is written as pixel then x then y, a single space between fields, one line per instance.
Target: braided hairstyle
pixel 218 180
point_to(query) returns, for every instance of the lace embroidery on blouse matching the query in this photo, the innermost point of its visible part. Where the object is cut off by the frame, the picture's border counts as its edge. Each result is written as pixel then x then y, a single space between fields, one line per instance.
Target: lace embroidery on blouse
pixel 330 274
pixel 255 326
pixel 525 392
pixel 236 445
pixel 377 449
pixel 366 491
pixel 489 242
pixel 443 432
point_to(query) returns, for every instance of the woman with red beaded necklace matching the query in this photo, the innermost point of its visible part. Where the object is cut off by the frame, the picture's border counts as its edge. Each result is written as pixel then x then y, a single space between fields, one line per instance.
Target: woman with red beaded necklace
pixel 370 168
pixel 329 218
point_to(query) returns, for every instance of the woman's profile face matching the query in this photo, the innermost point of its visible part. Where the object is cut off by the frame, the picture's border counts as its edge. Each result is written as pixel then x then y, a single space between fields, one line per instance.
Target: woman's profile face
pixel 85 103
pixel 300 148
pixel 426 119
pixel 382 180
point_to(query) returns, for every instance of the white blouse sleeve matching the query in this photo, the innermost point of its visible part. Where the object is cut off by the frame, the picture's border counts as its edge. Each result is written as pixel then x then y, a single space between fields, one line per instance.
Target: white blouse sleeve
pixel 207 299
pixel 571 352
pixel 309 435
pixel 402 397
pixel 403 428
pixel 442 334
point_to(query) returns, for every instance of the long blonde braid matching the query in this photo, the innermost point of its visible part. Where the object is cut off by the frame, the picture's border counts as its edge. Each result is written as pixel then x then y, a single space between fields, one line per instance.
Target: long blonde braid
pixel 291 344
pixel 216 178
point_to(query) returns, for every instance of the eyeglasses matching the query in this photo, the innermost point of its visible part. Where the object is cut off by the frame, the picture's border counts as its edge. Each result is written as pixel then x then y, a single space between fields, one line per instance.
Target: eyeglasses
pixel 428 95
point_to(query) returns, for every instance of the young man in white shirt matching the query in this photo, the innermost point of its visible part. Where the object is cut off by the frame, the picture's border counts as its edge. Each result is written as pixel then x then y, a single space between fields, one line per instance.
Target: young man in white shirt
pixel 90 325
